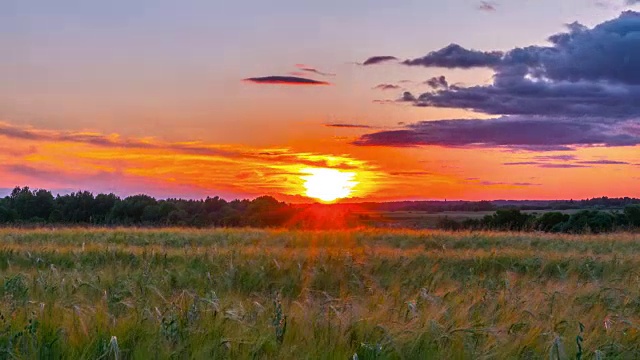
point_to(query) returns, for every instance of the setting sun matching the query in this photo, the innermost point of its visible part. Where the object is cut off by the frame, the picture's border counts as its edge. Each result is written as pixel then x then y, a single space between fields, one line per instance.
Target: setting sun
pixel 328 185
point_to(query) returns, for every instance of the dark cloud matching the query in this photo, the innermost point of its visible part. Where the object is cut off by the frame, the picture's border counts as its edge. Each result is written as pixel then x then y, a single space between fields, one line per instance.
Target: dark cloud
pixel 313 70
pixel 351 126
pixel 438 82
pixel 561 166
pixel 487 6
pixel 379 60
pixel 555 157
pixel 632 2
pixel 603 162
pixel 547 161
pixel 386 87
pixel 455 56
pixel 546 165
pixel 407 97
pixel 584 72
pixel 530 148
pixel 582 89
pixel 505 131
pixel 285 80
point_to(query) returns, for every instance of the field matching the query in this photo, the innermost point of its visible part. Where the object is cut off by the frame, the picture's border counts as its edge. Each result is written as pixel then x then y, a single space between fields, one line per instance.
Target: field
pixel 365 294
pixel 429 220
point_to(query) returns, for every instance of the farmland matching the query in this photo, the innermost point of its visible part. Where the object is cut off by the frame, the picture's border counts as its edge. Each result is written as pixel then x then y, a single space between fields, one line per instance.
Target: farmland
pixel 385 294
pixel 430 220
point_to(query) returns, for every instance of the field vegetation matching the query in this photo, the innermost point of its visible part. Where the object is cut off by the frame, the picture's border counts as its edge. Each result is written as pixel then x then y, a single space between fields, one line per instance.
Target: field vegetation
pixel 286 294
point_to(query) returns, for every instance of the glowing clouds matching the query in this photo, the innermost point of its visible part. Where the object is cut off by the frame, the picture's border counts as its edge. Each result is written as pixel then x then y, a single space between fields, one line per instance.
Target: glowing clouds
pixel 328 185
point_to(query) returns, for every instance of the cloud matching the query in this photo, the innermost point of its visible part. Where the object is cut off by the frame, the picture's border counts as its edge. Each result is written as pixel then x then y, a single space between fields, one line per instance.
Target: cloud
pixel 109 162
pixel 438 82
pixel 520 163
pixel 561 166
pixel 584 72
pixel 374 60
pixel 386 87
pixel 555 157
pixel 313 70
pixel 285 80
pixel 632 2
pixel 412 173
pixel 351 126
pixel 114 141
pixel 499 183
pixel 455 56
pixel 545 165
pixel 384 102
pixel 505 131
pixel 581 89
pixel 604 162
pixel 549 161
pixel 487 6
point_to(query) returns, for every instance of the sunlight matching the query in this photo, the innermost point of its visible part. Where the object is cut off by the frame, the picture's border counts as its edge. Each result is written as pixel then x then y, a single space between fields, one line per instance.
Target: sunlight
pixel 328 185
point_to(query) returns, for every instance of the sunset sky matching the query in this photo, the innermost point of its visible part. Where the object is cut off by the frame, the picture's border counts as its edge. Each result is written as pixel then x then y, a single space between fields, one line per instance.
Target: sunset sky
pixel 405 99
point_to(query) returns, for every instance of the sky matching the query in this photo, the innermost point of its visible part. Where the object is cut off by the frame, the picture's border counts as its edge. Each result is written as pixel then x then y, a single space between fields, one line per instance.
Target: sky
pixel 403 100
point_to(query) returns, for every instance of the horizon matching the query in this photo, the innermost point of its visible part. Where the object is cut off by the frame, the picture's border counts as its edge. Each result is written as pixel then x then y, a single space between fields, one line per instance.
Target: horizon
pixel 346 201
pixel 333 103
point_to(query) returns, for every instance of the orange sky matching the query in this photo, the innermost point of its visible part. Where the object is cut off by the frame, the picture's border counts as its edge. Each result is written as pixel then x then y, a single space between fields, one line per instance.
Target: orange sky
pixel 179 100
pixel 108 162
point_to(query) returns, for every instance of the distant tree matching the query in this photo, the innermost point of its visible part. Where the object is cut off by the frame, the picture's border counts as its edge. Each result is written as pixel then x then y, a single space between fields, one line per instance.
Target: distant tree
pixel 31 205
pixel 447 223
pixel 632 212
pixel 507 219
pixel 551 220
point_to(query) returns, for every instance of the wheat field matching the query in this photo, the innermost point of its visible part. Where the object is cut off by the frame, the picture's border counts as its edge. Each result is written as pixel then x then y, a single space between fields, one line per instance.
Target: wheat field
pixel 282 294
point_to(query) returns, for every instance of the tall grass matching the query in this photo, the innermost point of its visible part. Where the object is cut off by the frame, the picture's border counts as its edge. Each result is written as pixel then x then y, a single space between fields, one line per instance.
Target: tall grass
pixel 365 294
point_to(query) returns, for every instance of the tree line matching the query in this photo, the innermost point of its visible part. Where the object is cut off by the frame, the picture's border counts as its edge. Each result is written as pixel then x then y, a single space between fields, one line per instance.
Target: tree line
pixel 25 206
pixel 583 221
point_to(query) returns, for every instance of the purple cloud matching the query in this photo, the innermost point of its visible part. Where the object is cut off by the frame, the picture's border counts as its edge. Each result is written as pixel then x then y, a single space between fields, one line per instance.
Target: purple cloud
pixel 455 56
pixel 285 80
pixel 311 69
pixel 571 77
pixel 561 166
pixel 580 90
pixel 351 126
pixel 438 82
pixel 487 6
pixel 603 162
pixel 374 60
pixel 506 131
pixel 555 157
pixel 386 87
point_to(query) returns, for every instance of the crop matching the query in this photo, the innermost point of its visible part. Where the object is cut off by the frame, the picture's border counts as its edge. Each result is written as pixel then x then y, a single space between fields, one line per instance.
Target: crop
pixel 283 294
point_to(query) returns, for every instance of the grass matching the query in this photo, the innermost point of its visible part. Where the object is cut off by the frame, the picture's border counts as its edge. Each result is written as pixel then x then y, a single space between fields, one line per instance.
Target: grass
pixel 430 220
pixel 366 294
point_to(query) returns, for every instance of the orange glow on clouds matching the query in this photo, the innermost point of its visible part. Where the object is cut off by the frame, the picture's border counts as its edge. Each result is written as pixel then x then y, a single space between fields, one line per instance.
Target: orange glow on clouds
pixel 300 171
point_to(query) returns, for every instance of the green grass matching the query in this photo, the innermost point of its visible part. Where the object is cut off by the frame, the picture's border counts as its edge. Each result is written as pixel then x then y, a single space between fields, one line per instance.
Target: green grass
pixel 380 294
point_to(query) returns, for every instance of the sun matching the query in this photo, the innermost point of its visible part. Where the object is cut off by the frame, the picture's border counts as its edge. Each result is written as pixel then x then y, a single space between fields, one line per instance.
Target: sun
pixel 328 185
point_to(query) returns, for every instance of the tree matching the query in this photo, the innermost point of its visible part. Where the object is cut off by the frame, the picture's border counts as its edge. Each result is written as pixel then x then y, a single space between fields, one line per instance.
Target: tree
pixel 632 212
pixel 551 220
